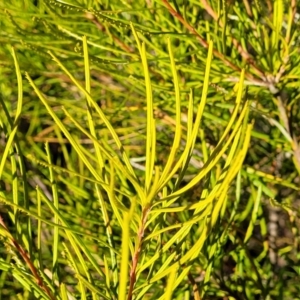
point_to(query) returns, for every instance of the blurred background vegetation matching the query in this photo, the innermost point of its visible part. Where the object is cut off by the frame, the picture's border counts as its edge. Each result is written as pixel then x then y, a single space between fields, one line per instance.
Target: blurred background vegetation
pixel 252 252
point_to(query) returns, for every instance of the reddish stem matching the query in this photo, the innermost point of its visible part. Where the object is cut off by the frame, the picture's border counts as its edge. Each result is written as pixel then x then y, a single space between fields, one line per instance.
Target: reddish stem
pixel 28 261
pixel 94 19
pixel 137 252
pixel 243 53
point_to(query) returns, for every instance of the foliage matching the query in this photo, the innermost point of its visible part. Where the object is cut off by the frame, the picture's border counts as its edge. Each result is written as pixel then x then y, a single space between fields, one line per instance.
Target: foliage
pixel 150 149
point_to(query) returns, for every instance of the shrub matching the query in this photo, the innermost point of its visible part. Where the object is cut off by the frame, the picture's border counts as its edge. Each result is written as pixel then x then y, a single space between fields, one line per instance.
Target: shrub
pixel 150 150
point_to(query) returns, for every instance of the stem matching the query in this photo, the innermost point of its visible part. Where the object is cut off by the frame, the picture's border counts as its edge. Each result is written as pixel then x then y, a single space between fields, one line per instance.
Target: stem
pixel 195 287
pixel 28 261
pixel 192 30
pixel 101 27
pixel 137 252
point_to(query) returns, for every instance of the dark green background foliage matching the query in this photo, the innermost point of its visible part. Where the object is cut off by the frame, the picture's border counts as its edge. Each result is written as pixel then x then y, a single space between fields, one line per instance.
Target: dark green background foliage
pixel 157 157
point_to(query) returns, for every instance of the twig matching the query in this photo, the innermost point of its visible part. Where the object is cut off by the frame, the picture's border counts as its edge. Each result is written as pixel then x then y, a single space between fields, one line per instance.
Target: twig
pixel 205 44
pixel 14 243
pixel 137 252
pixel 195 287
pixel 237 45
pixel 94 19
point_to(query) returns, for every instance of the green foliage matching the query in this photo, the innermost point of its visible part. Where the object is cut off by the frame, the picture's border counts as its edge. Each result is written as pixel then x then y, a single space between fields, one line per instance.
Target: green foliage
pixel 149 149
